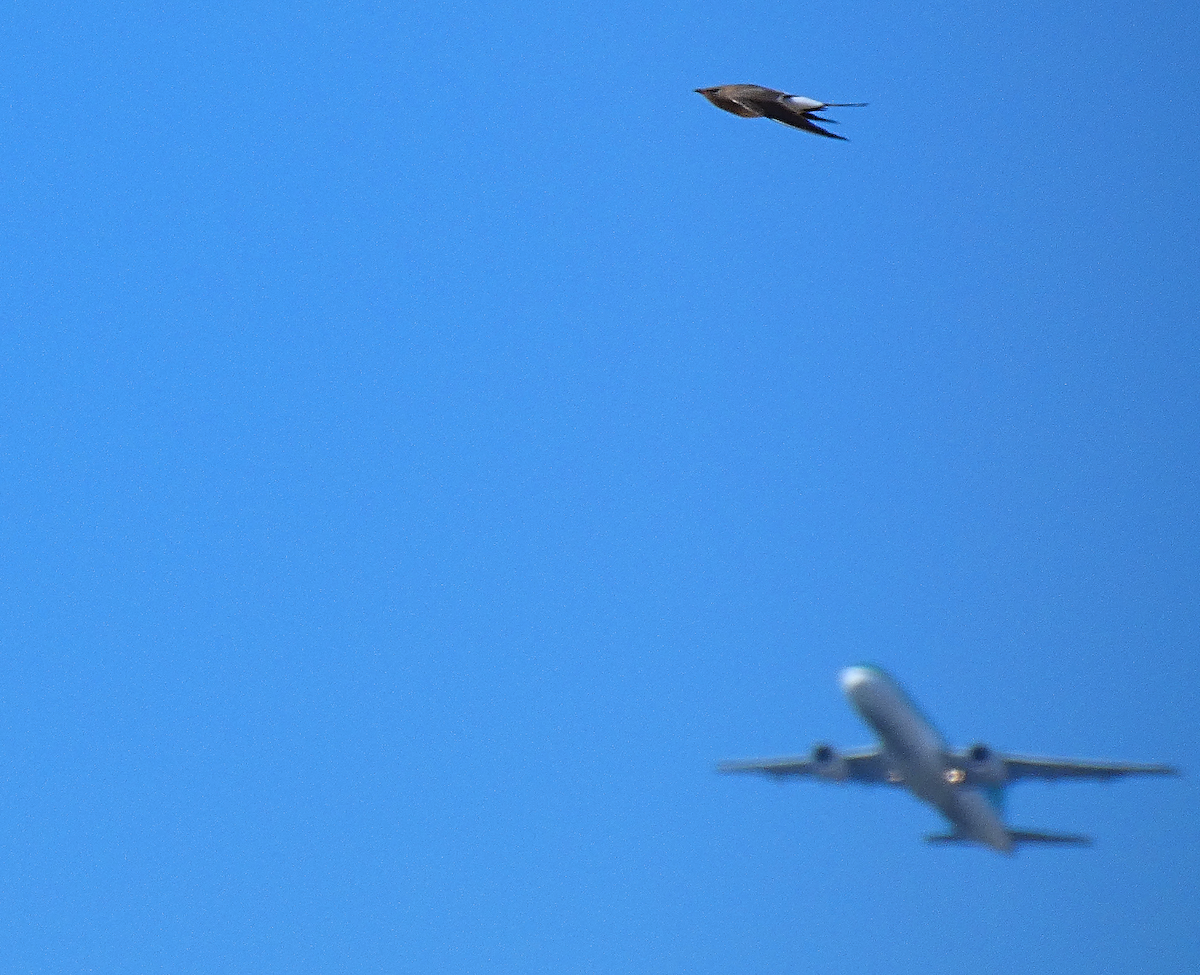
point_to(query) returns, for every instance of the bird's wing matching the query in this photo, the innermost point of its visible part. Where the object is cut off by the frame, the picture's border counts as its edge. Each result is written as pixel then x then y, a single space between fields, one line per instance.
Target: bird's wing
pixel 803 123
pixel 746 109
pixel 797 120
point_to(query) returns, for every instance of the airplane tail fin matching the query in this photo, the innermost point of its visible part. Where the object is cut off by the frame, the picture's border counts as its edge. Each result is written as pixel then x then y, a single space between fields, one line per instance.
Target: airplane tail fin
pixel 1019 837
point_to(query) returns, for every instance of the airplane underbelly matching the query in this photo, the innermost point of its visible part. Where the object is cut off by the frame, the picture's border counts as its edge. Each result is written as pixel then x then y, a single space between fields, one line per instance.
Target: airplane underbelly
pixel 926 783
pixel 976 817
pixel 964 806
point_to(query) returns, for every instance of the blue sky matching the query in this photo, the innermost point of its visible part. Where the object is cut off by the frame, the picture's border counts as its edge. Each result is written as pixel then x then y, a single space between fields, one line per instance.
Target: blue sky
pixel 431 436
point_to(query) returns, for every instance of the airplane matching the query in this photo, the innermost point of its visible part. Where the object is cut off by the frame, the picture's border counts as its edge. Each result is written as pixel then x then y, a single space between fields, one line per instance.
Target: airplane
pixel 966 787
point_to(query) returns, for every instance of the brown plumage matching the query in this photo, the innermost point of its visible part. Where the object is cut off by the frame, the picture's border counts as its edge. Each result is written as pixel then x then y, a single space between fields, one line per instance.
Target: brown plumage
pixel 755 101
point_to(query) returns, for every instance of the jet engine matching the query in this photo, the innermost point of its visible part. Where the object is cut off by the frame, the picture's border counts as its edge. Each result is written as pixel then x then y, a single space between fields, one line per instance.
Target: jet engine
pixel 828 764
pixel 984 766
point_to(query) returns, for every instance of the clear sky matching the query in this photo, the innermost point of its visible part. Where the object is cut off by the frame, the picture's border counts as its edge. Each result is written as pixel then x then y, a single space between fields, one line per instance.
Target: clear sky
pixel 432 436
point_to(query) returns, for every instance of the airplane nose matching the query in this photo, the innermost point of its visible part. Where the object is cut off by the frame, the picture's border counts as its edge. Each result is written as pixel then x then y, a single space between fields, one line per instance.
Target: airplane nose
pixel 853 678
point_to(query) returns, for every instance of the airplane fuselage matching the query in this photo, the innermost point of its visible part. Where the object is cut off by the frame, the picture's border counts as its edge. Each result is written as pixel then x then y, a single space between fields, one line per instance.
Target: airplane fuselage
pixel 919 756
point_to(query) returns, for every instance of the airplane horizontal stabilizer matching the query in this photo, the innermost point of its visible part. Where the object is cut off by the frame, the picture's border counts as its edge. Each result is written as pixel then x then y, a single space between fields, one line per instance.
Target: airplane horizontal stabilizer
pixel 947 838
pixel 1018 836
pixel 1064 839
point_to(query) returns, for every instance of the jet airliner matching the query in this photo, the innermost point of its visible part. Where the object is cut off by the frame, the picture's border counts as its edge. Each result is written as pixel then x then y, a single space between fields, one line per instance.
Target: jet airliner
pixel 967 787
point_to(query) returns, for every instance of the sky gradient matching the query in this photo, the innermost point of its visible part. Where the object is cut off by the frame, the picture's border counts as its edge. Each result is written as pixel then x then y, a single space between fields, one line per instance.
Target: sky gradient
pixel 432 436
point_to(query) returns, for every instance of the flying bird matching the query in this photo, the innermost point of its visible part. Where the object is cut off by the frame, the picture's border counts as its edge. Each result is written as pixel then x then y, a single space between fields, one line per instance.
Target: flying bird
pixel 755 101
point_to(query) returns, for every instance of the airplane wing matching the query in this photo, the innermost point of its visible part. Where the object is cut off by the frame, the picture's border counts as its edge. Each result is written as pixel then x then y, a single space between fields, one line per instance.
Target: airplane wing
pixel 1019 767
pixel 866 765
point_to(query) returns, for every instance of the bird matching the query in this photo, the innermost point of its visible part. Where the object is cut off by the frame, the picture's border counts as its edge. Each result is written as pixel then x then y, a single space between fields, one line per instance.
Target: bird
pixel 755 101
